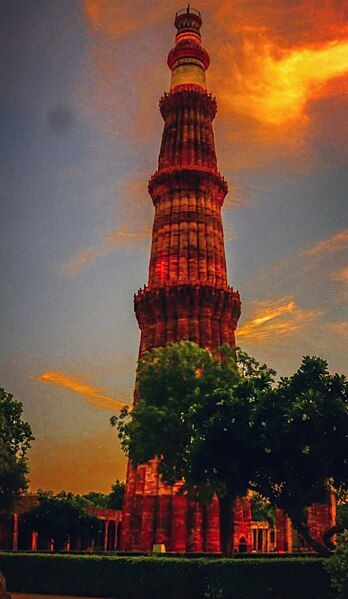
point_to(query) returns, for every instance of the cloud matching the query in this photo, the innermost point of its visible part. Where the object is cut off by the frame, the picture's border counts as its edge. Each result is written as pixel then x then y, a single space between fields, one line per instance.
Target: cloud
pixel 340 328
pixel 341 275
pixel 134 212
pixel 336 243
pixel 117 18
pixel 110 243
pixel 311 320
pixel 272 318
pixel 327 252
pixel 92 395
pixel 274 70
pixel 276 84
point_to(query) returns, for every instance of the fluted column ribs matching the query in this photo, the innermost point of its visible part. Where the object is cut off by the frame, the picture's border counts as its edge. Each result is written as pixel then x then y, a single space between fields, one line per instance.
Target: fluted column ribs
pixel 187 297
pixel 188 136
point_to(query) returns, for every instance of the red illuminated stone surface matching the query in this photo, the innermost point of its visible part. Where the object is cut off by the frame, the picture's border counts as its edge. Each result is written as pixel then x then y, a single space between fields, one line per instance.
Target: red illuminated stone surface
pixel 187 295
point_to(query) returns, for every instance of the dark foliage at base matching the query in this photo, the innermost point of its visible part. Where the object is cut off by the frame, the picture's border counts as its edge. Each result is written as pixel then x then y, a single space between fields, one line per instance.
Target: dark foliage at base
pixel 156 577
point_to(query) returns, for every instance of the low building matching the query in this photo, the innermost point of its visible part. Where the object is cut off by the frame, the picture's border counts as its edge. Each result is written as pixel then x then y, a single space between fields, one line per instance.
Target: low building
pixel 15 537
pixel 249 536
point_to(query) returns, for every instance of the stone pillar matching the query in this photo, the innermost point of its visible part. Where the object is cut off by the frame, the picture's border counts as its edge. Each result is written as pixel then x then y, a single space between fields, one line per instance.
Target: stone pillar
pixel 163 516
pixel 34 539
pixel 195 529
pixel 149 506
pixel 106 535
pixel 114 547
pixel 212 527
pixel 15 532
pixel 179 526
pixel 283 532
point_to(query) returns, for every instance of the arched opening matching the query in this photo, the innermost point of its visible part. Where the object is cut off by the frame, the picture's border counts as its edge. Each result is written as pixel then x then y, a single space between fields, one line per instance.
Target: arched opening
pixel 242 545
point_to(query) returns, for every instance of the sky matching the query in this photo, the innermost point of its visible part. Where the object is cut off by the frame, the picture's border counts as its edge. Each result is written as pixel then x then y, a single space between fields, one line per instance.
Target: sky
pixel 79 89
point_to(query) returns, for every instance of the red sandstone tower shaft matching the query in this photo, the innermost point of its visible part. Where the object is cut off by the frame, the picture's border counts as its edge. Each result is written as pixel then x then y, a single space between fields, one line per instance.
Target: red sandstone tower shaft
pixel 187 296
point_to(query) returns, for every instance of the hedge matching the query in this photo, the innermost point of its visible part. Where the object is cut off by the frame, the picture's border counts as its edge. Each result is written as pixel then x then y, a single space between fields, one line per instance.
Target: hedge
pixel 157 577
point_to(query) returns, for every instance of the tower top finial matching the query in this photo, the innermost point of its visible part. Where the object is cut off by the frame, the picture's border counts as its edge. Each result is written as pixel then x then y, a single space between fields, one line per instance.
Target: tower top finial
pixel 188 61
pixel 188 18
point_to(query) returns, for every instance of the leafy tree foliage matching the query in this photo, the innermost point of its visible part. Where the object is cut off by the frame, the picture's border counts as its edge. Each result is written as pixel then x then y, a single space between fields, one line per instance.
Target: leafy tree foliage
pixel 195 414
pixel 60 517
pixel 223 426
pixel 112 500
pixel 302 428
pixel 337 566
pixel 261 509
pixel 116 495
pixel 15 440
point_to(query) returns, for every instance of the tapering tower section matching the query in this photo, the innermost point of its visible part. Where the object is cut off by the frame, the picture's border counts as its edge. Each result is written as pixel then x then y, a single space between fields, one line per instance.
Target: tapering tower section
pixel 187 295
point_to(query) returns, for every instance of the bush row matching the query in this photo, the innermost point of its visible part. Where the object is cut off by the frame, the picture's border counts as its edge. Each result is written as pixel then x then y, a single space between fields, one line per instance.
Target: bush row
pixel 156 577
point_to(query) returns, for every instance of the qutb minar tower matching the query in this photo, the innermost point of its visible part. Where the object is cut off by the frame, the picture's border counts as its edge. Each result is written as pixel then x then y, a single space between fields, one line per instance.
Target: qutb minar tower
pixel 187 295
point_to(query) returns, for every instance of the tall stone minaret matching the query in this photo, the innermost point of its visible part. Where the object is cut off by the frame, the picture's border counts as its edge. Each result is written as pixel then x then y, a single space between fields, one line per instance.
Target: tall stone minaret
pixel 187 296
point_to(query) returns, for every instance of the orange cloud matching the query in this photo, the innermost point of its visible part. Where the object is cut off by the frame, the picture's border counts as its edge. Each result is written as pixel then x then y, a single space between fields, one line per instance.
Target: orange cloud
pixel 274 318
pixel 341 275
pixel 111 242
pixel 268 60
pixel 134 212
pixel 92 395
pixel 117 18
pixel 336 243
pixel 274 85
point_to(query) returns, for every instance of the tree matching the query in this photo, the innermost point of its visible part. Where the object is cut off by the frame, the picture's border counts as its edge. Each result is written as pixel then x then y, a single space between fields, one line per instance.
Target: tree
pixel 302 427
pixel 223 426
pixel 61 517
pixel 116 495
pixel 112 500
pixel 261 509
pixel 96 499
pixel 195 414
pixel 337 566
pixel 15 440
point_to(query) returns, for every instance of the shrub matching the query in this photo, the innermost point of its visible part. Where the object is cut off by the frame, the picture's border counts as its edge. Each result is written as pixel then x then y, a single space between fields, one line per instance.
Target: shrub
pixel 173 578
pixel 337 566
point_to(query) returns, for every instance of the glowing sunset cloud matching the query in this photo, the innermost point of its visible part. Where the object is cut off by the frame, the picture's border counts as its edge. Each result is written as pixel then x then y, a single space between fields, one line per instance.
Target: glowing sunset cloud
pixel 272 318
pixel 336 243
pixel 111 242
pixel 275 90
pixel 341 275
pixel 260 72
pixel 92 395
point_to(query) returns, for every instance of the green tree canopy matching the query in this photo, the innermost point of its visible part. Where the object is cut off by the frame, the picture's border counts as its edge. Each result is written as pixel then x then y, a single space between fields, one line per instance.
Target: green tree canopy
pixel 261 509
pixel 15 440
pixel 195 414
pixel 302 428
pixel 112 500
pixel 223 426
pixel 116 495
pixel 60 517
